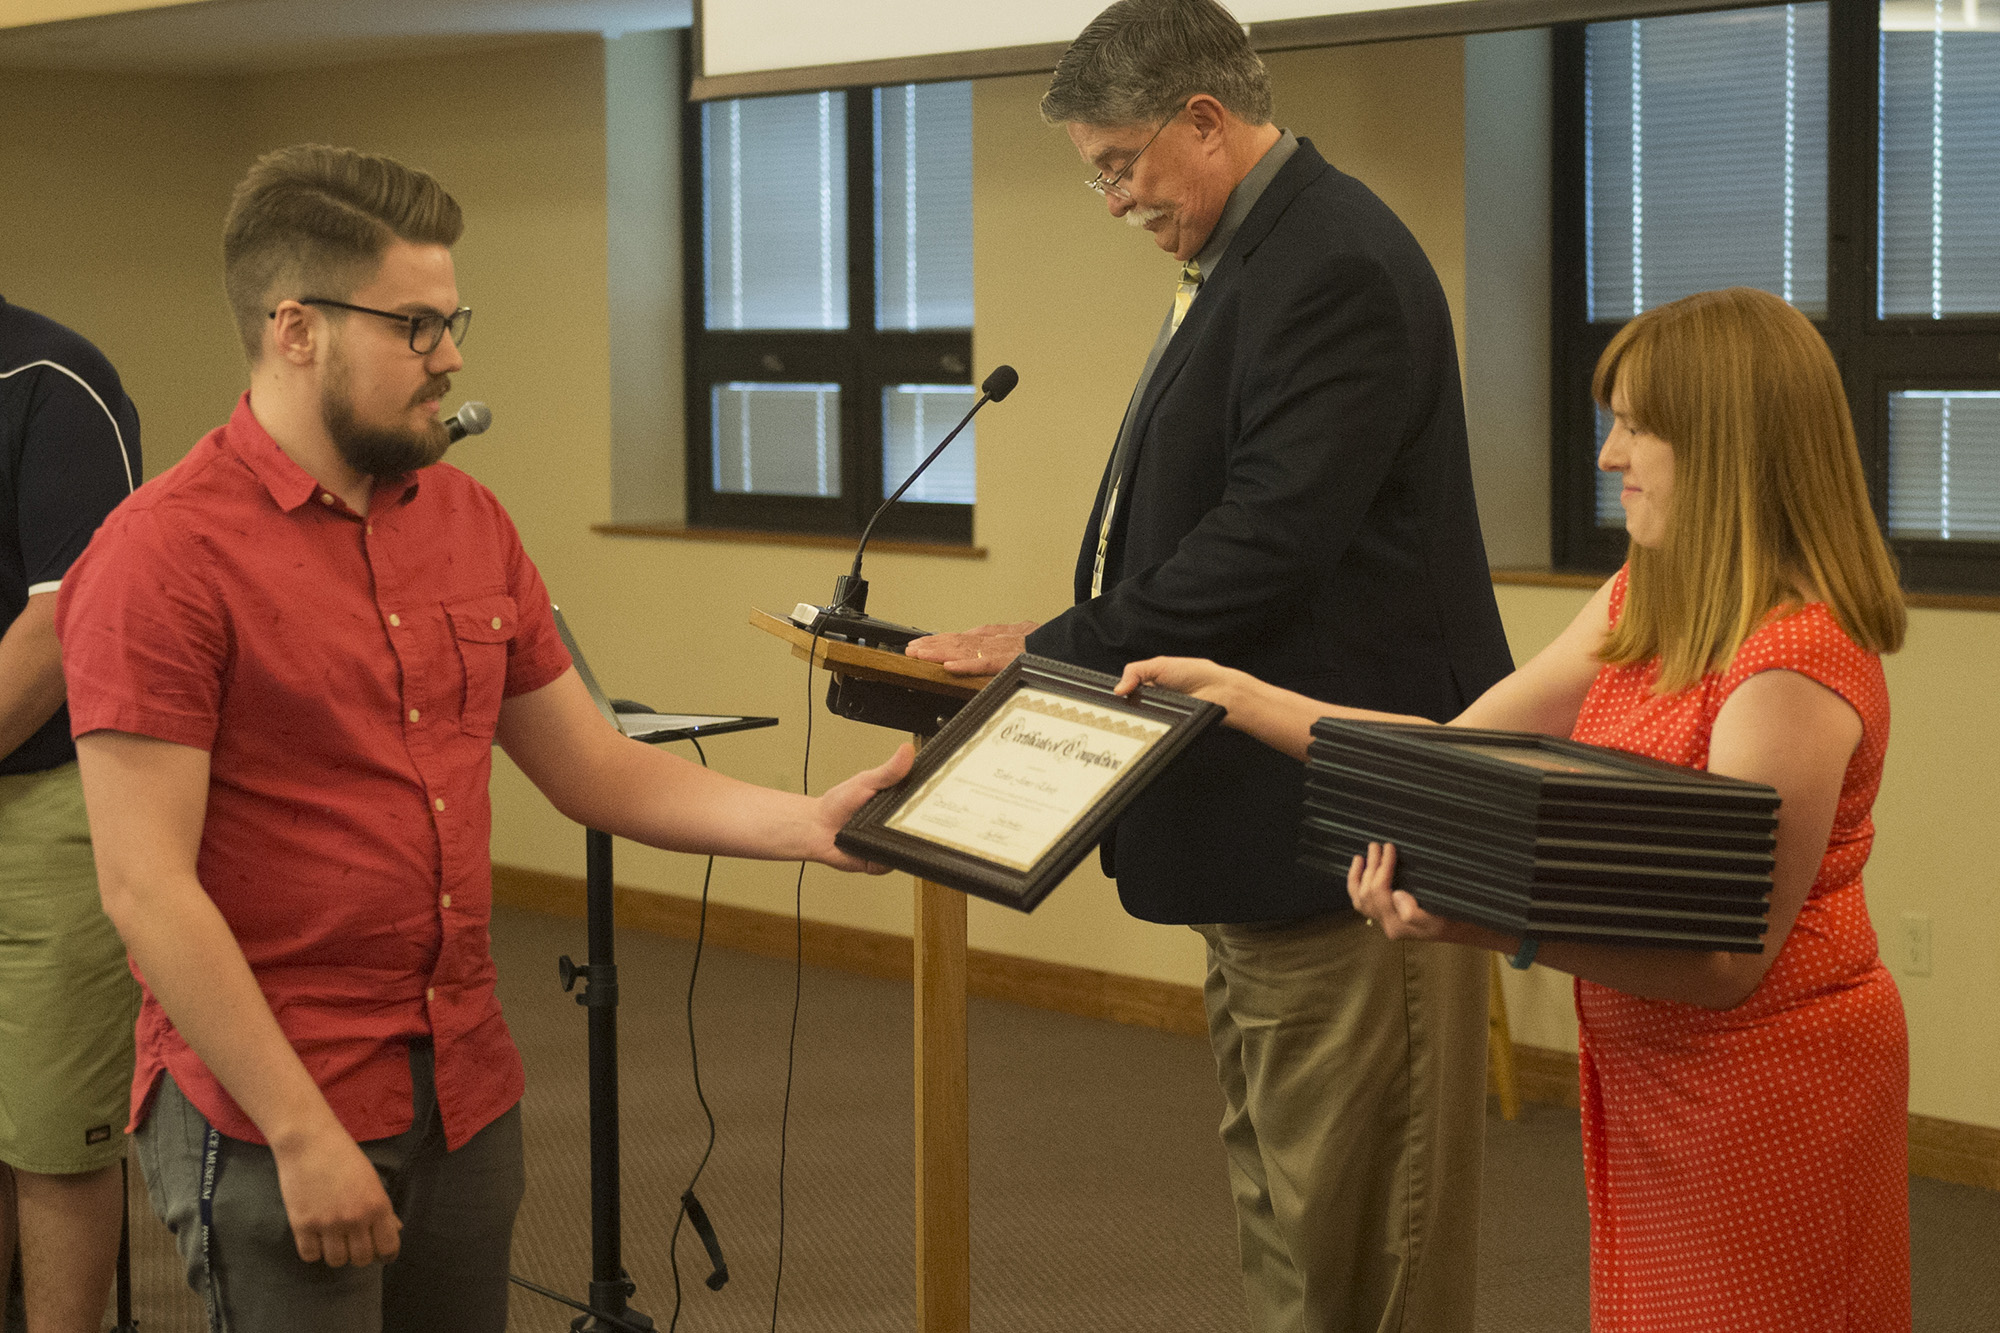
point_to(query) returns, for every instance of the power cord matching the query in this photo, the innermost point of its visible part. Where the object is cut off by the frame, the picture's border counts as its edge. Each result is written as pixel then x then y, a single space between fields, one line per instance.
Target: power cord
pixel 691 1209
pixel 798 989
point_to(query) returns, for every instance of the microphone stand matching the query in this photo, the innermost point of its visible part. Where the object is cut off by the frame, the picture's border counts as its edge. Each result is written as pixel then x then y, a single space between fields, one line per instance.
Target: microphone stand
pixel 846 617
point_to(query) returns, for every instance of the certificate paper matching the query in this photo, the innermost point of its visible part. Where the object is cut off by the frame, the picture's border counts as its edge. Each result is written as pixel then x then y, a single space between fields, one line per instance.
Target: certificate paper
pixel 1032 773
pixel 1025 777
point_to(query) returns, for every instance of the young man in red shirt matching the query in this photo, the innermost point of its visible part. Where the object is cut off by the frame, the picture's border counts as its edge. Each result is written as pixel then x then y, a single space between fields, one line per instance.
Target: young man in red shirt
pixel 288 660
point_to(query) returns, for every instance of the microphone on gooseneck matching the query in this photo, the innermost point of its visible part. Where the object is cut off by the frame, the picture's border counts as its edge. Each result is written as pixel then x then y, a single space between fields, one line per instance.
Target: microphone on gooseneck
pixel 469 420
pixel 847 616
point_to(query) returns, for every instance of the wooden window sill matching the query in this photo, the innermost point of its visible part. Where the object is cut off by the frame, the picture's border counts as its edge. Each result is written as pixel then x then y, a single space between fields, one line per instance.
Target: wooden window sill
pixel 1558 578
pixel 1545 578
pixel 753 537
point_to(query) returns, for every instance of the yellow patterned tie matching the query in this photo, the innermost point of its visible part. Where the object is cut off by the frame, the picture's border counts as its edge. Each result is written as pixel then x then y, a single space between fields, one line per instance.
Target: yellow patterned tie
pixel 1184 294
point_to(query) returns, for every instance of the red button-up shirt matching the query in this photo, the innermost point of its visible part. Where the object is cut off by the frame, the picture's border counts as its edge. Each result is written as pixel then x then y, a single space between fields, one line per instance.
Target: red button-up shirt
pixel 345 675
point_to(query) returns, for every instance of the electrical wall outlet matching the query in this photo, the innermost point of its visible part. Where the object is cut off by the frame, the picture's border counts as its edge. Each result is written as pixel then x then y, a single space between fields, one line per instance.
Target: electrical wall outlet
pixel 1916 944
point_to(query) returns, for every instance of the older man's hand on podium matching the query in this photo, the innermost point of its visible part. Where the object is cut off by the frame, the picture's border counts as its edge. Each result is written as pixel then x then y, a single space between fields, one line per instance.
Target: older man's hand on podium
pixel 982 651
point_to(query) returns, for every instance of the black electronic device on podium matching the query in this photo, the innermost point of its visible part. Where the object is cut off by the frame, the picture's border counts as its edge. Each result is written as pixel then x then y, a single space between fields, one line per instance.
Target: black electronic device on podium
pixel 611 1287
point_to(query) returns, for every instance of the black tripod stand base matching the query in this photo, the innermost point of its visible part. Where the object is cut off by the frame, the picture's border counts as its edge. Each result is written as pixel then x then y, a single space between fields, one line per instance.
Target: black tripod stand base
pixel 610 1296
pixel 610 1316
pixel 627 1319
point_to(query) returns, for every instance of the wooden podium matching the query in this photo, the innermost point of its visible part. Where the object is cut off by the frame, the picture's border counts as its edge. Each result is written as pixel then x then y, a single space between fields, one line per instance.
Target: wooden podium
pixel 888 689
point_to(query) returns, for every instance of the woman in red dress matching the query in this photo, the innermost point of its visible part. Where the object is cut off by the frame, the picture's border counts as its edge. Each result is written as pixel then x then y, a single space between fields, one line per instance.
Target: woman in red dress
pixel 1744 1115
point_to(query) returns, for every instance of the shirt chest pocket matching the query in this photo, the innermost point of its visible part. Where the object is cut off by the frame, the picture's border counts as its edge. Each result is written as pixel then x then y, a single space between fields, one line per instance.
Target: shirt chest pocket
pixel 482 628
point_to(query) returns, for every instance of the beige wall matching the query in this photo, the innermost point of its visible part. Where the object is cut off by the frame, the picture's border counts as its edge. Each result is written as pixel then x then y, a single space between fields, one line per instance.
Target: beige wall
pixel 1937 854
pixel 114 187
pixel 1505 319
pixel 126 249
pixel 1392 116
pixel 642 122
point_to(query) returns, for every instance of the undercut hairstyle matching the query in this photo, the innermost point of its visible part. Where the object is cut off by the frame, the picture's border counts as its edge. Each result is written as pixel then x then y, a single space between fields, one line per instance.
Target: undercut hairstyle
pixel 311 220
pixel 1768 492
pixel 1141 60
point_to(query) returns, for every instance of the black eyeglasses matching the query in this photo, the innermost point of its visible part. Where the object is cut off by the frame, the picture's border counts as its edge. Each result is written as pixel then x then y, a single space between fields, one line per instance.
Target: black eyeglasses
pixel 426 331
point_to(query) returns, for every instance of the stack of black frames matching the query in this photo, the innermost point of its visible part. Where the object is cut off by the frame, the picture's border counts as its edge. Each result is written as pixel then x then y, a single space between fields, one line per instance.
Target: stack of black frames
pixel 1531 835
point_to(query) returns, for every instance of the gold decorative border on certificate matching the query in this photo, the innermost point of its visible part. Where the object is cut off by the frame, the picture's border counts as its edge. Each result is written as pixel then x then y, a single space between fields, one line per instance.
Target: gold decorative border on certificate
pixel 1145 731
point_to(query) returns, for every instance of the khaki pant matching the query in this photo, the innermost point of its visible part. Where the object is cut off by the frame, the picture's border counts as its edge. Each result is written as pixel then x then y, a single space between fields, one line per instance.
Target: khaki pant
pixel 1354 1072
pixel 67 998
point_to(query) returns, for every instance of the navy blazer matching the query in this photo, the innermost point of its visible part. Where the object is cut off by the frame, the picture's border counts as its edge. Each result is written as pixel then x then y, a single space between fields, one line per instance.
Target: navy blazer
pixel 1300 506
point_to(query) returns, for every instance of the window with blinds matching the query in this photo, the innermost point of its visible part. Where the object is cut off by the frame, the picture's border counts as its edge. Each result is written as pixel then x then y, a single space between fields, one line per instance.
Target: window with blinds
pixel 1706 157
pixel 774 212
pixel 914 418
pixel 1939 151
pixel 776 439
pixel 1944 464
pixel 923 206
pixel 1938 258
pixel 833 345
pixel 1844 155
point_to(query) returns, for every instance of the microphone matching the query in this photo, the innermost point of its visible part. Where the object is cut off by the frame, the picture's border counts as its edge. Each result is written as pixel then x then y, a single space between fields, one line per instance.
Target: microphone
pixel 470 420
pixel 846 617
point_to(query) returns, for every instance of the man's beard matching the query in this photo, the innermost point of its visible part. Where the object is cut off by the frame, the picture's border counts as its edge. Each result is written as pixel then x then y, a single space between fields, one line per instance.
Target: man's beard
pixel 377 451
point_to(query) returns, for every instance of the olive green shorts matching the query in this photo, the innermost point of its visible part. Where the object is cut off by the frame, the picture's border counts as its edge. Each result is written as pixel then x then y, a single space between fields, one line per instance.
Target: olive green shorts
pixel 67 999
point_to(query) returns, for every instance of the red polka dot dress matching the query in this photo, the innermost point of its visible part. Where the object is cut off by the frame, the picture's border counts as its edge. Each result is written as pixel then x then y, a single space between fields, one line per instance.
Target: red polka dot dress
pixel 1748 1169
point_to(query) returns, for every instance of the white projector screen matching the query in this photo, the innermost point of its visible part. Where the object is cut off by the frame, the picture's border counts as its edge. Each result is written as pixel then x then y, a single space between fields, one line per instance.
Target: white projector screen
pixel 742 36
pixel 748 47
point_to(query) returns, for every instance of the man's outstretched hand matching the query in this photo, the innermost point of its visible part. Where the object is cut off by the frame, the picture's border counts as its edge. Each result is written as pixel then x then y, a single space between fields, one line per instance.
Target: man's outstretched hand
pixel 834 809
pixel 982 651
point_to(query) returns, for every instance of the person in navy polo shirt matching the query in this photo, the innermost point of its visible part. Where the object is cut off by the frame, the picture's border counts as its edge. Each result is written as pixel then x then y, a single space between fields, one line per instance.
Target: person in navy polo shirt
pixel 69 452
pixel 289 658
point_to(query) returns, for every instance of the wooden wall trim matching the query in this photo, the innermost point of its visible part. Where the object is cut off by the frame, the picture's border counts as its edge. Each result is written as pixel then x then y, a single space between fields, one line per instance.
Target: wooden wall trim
pixel 1546 578
pixel 1945 1150
pixel 1949 1150
pixel 1546 1076
pixel 1085 992
pixel 1953 601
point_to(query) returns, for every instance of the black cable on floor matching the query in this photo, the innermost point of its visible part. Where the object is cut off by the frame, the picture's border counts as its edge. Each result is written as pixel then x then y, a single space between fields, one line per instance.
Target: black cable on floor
pixel 694 1063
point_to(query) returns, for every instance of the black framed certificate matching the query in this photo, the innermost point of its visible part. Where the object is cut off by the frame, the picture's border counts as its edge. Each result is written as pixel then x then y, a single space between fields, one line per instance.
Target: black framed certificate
pixel 1009 795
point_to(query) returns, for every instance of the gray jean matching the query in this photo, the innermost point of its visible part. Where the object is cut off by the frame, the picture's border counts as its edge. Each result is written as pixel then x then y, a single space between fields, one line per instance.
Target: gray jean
pixel 457 1210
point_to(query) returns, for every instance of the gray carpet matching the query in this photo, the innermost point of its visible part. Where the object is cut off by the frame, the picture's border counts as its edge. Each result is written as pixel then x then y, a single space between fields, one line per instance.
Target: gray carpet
pixel 1098 1193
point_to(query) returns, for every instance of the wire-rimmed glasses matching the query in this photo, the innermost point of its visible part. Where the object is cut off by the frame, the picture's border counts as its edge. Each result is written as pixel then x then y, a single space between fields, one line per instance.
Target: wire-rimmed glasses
pixel 1098 185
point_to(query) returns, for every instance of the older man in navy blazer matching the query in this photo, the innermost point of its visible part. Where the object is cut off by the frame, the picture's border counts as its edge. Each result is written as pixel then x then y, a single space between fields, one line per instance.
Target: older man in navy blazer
pixel 1289 494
